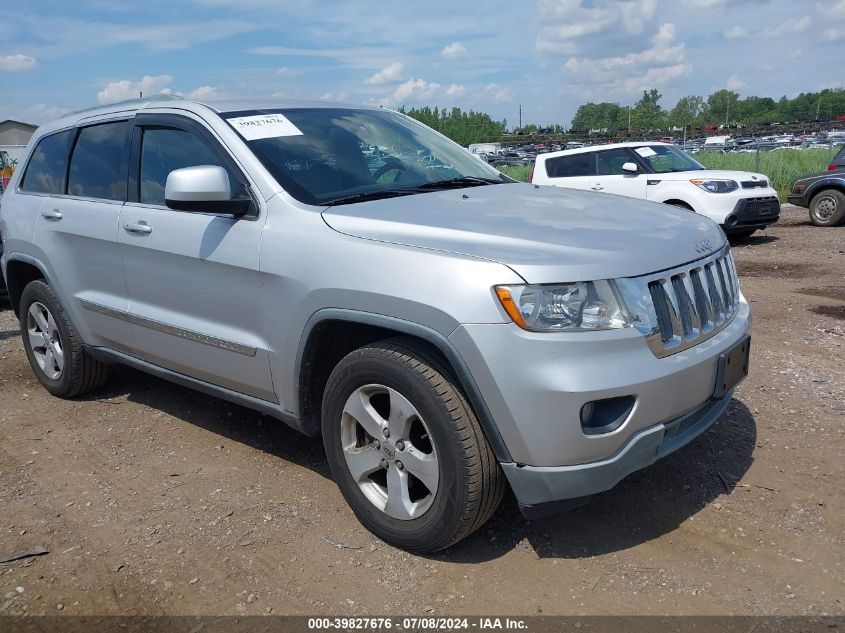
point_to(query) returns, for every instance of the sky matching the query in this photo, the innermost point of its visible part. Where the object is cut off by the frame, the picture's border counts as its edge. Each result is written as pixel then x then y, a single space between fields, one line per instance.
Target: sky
pixel 547 56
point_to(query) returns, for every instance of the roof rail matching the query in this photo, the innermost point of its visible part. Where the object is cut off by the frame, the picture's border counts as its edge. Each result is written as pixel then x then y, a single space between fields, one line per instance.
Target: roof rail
pixel 138 101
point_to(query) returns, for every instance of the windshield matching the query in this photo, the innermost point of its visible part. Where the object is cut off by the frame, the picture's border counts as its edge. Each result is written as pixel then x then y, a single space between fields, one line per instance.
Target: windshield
pixel 330 156
pixel 662 159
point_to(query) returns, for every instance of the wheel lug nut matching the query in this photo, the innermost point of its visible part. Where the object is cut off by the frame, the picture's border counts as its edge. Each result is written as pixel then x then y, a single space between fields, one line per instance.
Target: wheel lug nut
pixel 386 432
pixel 400 465
pixel 384 463
pixel 400 445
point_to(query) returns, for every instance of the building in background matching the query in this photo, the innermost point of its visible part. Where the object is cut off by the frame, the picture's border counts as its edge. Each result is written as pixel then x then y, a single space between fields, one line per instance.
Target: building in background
pixel 14 135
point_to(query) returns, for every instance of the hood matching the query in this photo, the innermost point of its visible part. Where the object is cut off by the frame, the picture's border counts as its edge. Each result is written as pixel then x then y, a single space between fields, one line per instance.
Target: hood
pixel 711 174
pixel 545 234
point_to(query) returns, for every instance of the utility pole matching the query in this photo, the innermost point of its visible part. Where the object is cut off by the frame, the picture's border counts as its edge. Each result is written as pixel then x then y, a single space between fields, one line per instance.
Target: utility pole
pixel 629 120
pixel 818 105
pixel 520 117
pixel 727 112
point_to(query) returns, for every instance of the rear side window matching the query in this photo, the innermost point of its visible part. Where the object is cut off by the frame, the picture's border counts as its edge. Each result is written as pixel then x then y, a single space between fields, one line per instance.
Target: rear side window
pixel 45 172
pixel 165 149
pixel 841 155
pixel 98 167
pixel 609 162
pixel 573 165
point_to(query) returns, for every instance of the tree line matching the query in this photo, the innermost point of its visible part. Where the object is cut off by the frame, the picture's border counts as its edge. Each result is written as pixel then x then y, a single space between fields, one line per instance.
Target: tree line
pixel 723 107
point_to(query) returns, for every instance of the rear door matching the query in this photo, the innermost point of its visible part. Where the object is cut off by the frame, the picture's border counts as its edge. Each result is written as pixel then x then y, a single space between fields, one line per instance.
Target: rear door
pixel 195 289
pixel 574 171
pixel 610 178
pixel 76 233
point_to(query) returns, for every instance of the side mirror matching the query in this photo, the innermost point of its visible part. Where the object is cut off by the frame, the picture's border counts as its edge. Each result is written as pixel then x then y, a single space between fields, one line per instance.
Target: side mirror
pixel 204 188
pixel 630 168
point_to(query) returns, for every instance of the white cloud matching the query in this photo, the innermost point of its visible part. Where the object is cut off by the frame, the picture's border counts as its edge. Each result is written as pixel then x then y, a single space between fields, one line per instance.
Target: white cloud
pixel 454 50
pixel 567 22
pixel 332 96
pixel 17 62
pixel 831 35
pixel 410 90
pixel 284 71
pixel 203 92
pixel 832 10
pixel 736 33
pixel 389 74
pixel 455 91
pixel 502 94
pixel 660 64
pixel 127 89
pixel 791 27
pixel 735 83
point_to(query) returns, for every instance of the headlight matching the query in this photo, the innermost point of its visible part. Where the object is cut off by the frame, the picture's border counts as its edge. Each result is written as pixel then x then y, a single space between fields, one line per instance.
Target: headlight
pixel 716 186
pixel 586 305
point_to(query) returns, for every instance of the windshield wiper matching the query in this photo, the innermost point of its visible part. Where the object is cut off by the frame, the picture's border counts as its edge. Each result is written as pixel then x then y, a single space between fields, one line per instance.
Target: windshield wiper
pixel 370 195
pixel 461 181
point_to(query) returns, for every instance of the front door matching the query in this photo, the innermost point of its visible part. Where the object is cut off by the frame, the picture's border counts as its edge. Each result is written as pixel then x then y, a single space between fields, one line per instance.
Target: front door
pixel 195 290
pixel 610 178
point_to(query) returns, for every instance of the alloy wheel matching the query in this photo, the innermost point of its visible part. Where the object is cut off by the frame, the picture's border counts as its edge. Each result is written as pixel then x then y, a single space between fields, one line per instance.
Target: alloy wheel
pixel 44 341
pixel 389 451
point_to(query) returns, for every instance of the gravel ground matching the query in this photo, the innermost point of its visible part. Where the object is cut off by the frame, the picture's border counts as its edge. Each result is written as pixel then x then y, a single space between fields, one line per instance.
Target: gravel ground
pixel 155 499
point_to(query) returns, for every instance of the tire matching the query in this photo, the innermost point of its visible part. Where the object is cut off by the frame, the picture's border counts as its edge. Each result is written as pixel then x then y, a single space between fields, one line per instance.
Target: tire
pixel 402 377
pixel 827 208
pixel 77 373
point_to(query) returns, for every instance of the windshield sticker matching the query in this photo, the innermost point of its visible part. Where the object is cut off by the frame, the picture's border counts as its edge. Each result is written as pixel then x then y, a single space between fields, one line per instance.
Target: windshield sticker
pixel 253 128
pixel 645 152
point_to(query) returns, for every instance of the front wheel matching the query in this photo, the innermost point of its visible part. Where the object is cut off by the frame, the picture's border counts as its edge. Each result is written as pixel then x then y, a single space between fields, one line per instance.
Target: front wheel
pixel 405 448
pixel 827 208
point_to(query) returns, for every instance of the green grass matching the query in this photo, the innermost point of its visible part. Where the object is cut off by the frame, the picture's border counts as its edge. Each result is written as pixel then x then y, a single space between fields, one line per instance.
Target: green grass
pixel 782 167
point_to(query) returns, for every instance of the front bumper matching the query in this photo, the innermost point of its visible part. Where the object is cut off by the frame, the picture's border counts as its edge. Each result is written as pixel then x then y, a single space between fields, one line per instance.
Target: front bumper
pixel 536 384
pixel 753 213
pixel 797 199
pixel 539 488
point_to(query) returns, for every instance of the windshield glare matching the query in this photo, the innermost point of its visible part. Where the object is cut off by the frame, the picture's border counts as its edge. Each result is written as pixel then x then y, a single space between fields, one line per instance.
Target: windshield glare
pixel 334 153
pixel 663 159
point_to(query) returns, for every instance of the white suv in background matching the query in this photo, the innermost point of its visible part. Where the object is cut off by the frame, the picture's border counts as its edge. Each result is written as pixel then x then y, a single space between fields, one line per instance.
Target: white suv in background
pixel 740 201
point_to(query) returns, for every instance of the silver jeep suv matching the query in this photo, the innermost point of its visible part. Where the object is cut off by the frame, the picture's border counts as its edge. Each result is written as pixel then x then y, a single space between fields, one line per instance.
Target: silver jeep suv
pixel 356 275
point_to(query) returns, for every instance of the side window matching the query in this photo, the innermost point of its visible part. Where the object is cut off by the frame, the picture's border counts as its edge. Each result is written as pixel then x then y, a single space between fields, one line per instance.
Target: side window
pixel 582 164
pixel 45 172
pixel 609 162
pixel 98 163
pixel 165 149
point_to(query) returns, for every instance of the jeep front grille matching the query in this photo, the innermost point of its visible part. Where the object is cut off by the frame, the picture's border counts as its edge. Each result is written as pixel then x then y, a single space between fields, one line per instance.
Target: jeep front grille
pixel 684 306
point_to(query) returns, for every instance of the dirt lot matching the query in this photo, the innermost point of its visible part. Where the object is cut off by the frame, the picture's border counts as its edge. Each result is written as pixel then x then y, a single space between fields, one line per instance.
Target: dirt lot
pixel 156 499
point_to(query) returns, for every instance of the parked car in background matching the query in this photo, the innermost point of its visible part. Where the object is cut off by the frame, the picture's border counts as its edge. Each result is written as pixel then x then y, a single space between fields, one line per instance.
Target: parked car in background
pixel 740 202
pixel 446 330
pixel 838 162
pixel 823 194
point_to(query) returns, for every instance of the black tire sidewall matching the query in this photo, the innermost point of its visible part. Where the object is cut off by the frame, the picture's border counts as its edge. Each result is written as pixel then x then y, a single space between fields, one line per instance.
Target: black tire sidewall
pixel 838 216
pixel 441 519
pixel 39 291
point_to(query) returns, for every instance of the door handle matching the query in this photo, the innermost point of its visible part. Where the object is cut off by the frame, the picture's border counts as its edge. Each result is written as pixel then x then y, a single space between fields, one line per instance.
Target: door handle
pixel 52 214
pixel 597 187
pixel 140 227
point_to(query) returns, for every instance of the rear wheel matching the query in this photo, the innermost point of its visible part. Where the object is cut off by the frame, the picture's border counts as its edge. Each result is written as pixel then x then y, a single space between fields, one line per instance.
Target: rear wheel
pixel 405 448
pixel 52 346
pixel 827 208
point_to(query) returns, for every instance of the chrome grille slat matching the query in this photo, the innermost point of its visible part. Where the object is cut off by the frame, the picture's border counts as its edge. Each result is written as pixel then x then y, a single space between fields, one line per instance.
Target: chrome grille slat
pixel 689 304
